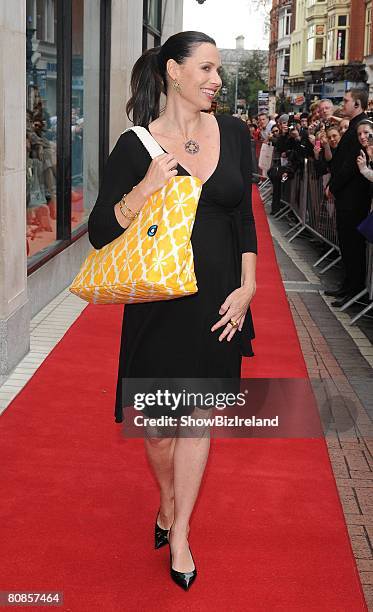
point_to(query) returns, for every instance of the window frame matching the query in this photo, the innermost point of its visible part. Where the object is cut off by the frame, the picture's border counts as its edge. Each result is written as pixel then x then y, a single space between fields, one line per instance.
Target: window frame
pixel 334 33
pixel 147 28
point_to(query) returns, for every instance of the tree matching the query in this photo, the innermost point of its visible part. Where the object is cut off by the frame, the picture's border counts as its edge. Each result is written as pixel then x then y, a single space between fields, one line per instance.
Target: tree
pixel 250 80
pixel 228 81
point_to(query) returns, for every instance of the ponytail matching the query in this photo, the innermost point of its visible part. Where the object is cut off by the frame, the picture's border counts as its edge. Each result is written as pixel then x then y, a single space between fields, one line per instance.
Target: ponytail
pixel 149 74
pixel 146 88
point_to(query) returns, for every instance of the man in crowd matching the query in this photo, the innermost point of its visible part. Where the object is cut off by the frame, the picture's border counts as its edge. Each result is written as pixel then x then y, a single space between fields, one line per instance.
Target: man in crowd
pixel 352 199
pixel 326 110
pixel 265 126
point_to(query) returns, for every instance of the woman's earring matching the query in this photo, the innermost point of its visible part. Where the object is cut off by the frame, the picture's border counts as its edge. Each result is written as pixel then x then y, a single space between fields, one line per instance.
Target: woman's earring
pixel 176 86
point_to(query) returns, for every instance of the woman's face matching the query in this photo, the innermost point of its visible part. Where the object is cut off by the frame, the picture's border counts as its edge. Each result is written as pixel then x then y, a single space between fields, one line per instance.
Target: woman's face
pixel 199 76
pixel 333 137
pixel 343 126
pixel 363 132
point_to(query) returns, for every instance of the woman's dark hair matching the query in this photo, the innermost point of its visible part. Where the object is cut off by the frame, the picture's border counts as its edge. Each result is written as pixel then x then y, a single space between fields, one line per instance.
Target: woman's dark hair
pixel 149 74
pixel 365 122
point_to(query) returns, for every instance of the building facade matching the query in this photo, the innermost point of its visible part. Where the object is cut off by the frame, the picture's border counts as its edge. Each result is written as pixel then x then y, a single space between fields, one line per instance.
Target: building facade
pixel 75 58
pixel 362 46
pixel 330 47
pixel 279 46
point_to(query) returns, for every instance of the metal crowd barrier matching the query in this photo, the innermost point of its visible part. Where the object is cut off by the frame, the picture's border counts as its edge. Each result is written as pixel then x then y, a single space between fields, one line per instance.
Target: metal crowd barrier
pixel 294 197
pixel 304 196
pixel 368 288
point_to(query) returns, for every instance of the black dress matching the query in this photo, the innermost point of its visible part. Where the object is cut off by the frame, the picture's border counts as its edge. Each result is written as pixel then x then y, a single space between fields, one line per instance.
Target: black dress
pixel 172 339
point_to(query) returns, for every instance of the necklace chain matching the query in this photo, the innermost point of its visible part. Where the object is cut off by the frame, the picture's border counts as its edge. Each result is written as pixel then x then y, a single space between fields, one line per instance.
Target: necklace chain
pixel 191 145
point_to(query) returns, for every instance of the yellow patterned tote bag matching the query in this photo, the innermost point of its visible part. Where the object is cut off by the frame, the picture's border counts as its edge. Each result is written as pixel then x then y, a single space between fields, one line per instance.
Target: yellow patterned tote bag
pixel 153 259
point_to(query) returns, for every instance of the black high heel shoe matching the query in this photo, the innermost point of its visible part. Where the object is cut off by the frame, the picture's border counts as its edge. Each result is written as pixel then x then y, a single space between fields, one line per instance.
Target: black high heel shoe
pixel 160 535
pixel 183 579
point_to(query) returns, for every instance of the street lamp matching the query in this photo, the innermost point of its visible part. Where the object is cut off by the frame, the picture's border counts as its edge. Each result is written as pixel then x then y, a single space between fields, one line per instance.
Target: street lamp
pixel 283 75
pixel 237 64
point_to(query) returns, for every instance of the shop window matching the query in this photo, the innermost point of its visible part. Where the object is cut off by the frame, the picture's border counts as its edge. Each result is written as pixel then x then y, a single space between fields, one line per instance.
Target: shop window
pixel 67 67
pixel 41 125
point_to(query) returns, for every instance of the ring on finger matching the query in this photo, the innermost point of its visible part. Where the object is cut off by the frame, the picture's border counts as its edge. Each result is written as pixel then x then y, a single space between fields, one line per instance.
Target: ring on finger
pixel 233 323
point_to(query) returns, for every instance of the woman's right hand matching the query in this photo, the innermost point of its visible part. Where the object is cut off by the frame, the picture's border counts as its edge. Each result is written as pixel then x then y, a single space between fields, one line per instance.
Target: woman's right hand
pixel 361 160
pixel 323 139
pixel 162 168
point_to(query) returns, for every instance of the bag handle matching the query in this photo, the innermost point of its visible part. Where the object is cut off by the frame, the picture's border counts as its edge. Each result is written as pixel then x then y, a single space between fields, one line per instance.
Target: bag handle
pixel 150 144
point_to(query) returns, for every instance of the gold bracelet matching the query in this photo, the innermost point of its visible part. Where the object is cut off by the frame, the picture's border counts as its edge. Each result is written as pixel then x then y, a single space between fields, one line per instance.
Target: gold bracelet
pixel 134 213
pixel 124 212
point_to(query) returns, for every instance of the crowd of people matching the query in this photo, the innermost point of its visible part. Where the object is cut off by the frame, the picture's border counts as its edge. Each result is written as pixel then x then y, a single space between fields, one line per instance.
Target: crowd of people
pixel 340 141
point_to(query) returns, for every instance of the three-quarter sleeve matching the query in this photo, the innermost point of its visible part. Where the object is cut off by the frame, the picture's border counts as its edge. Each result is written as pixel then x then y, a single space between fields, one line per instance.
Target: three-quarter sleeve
pixel 248 231
pixel 119 177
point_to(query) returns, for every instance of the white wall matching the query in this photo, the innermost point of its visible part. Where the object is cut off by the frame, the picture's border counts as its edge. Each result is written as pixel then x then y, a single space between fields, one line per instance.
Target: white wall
pixel 14 313
pixel 126 48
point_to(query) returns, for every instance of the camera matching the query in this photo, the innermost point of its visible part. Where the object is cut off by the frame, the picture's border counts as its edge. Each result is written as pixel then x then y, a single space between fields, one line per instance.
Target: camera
pixel 370 138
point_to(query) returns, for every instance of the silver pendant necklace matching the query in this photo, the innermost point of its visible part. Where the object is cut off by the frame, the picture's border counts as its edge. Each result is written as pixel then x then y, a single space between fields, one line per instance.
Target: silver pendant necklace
pixel 191 146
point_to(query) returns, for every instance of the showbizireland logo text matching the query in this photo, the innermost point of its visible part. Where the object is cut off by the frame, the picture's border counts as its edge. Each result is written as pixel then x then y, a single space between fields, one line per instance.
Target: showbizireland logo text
pixel 218 420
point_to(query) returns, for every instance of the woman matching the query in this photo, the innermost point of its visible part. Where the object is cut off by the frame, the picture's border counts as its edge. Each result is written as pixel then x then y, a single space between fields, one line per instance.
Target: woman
pixel 274 134
pixel 365 164
pixel 206 334
pixel 327 143
pixel 365 159
pixel 343 126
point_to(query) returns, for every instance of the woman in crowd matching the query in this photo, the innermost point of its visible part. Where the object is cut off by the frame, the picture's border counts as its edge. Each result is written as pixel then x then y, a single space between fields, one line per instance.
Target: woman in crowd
pixel 326 145
pixel 202 336
pixel 365 165
pixel 365 159
pixel 343 126
pixel 274 134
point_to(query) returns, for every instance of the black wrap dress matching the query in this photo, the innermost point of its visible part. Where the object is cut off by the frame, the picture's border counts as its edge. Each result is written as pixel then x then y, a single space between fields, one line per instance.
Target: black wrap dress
pixel 172 339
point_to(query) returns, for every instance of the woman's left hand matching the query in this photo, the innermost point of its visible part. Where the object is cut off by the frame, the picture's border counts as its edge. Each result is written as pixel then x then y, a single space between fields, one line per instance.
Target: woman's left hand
pixel 235 308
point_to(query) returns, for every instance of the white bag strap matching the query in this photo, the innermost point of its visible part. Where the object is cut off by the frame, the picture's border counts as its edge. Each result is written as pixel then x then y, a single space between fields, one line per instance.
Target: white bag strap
pixel 150 144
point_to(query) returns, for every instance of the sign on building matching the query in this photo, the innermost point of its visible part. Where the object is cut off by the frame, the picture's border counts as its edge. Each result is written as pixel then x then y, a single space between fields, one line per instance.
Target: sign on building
pixel 263 101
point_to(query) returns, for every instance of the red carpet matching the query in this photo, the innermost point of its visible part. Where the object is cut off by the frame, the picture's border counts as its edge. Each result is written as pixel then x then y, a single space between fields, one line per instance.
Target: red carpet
pixel 79 503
